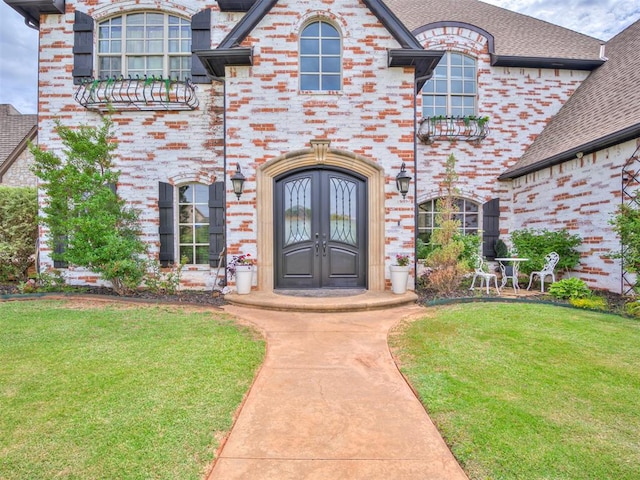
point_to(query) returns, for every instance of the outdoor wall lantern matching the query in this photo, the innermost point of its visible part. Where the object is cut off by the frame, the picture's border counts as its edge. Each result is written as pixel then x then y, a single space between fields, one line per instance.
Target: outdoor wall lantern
pixel 402 181
pixel 237 179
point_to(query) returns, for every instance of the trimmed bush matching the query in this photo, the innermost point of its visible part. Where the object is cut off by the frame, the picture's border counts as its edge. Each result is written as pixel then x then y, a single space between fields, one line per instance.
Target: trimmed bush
pixel 18 231
pixel 570 288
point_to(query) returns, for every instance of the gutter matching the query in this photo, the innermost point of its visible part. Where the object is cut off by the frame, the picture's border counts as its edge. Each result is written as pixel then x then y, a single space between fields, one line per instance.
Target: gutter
pixel 601 143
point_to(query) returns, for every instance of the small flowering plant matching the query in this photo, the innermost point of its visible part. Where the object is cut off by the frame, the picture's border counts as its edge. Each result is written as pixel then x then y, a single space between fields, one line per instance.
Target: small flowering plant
pixel 402 260
pixel 236 260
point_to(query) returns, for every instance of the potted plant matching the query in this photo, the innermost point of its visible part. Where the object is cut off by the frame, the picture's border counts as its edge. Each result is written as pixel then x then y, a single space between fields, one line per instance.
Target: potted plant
pixel 400 274
pixel 241 267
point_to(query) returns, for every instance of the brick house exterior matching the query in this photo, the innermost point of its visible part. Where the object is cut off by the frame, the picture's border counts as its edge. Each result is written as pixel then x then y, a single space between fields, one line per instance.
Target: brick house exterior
pixel 335 150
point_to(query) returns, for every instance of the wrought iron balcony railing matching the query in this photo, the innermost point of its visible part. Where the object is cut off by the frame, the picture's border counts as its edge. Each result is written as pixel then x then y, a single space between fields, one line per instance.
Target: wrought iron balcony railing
pixel 147 93
pixel 470 129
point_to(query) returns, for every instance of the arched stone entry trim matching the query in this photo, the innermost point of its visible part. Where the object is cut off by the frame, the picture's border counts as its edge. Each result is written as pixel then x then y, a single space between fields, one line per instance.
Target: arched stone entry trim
pixel 320 154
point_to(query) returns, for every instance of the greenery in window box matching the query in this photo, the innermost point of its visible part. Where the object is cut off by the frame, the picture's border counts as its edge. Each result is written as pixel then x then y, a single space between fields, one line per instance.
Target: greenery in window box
pixel 102 232
pixel 536 244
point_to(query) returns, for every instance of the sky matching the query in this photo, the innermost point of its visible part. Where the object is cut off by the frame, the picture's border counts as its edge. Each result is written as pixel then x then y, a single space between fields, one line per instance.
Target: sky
pixel 602 19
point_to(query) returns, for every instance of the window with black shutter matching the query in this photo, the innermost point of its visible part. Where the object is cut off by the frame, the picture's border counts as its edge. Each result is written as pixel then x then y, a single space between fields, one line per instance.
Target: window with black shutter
pixel 491 227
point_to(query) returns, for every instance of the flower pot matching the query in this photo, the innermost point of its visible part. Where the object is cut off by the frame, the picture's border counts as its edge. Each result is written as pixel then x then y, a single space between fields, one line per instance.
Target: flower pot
pixel 244 279
pixel 399 278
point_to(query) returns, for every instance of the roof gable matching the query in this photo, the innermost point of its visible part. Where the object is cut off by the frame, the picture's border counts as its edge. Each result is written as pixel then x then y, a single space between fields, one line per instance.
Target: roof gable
pixel 15 130
pixel 229 52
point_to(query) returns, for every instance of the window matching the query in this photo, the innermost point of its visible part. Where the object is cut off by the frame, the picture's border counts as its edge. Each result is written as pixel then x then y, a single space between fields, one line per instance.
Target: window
pixel 138 44
pixel 468 214
pixel 193 223
pixel 320 58
pixel 452 89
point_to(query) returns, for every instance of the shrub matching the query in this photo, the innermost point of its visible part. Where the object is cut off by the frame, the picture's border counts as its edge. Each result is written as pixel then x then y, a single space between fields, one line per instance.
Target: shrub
pixel 18 231
pixel 626 224
pixel 472 245
pixel 590 303
pixel 569 288
pixel 534 245
pixel 423 249
pixel 633 308
pixel 101 231
pixel 164 281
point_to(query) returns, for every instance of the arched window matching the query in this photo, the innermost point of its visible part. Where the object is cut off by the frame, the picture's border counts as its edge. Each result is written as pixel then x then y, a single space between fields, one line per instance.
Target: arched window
pixel 453 88
pixel 193 223
pixel 145 43
pixel 469 215
pixel 320 57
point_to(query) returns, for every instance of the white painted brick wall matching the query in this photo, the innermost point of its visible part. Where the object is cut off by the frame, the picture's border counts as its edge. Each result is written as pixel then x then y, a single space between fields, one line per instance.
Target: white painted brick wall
pixel 581 195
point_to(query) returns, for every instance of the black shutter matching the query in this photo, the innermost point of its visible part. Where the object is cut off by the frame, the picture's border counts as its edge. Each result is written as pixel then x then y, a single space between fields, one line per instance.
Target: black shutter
pixel 166 230
pixel 200 40
pixel 216 222
pixel 59 248
pixel 490 227
pixel 82 47
pixel 113 188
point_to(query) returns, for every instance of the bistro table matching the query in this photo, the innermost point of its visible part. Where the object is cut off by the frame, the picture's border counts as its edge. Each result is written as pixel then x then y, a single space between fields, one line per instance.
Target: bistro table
pixel 515 267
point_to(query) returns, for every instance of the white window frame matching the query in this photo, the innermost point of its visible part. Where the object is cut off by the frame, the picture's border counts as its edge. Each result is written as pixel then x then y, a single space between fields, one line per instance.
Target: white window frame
pixel 320 72
pixel 106 42
pixel 464 214
pixel 191 223
pixel 438 96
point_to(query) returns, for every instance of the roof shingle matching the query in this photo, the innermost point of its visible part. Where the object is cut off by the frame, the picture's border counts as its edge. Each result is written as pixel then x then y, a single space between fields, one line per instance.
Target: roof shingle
pixel 603 111
pixel 14 127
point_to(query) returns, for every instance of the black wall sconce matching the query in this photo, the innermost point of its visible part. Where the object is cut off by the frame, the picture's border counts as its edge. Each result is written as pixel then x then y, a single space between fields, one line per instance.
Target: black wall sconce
pixel 402 181
pixel 237 179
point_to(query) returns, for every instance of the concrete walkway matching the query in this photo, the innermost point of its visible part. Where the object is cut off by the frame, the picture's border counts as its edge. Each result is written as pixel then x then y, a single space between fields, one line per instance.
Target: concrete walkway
pixel 329 403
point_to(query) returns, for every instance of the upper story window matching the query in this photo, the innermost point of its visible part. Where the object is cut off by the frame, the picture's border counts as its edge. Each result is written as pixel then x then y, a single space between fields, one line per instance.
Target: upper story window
pixel 453 88
pixel 320 57
pixel 145 43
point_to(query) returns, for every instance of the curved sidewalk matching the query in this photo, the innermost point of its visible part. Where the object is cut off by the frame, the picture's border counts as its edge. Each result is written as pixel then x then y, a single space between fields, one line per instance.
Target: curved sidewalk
pixel 329 403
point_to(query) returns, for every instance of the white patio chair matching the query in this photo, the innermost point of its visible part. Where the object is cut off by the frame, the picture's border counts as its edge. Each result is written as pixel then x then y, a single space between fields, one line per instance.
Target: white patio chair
pixel 484 276
pixel 550 262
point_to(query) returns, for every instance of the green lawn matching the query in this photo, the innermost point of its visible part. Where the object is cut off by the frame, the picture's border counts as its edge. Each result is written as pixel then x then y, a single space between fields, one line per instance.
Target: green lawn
pixel 529 391
pixel 117 392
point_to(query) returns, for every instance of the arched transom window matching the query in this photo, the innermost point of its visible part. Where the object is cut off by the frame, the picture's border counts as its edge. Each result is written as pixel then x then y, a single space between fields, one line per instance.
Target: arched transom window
pixel 145 43
pixel 453 88
pixel 320 57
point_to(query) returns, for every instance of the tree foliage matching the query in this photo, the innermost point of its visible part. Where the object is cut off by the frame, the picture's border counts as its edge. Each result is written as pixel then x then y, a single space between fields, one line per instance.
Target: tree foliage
pixel 99 230
pixel 446 258
pixel 626 223
pixel 536 244
pixel 18 231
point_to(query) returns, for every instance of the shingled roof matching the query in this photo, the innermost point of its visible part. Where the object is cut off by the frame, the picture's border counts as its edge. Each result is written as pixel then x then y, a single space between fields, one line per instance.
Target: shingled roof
pixel 15 130
pixel 602 112
pixel 515 34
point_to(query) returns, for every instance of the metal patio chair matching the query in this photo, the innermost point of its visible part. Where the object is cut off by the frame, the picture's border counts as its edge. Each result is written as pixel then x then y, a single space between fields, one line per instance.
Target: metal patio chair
pixel 550 262
pixel 484 276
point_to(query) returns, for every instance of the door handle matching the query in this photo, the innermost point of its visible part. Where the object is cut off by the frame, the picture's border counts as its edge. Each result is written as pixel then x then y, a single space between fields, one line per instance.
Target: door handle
pixel 317 245
pixel 324 245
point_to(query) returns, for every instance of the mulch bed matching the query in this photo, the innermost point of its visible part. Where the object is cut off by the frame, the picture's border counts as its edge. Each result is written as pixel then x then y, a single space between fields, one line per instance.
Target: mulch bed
pixel 615 301
pixel 191 297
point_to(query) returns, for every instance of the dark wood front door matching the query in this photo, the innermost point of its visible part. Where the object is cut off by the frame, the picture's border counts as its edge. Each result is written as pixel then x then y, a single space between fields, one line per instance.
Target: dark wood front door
pixel 321 230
